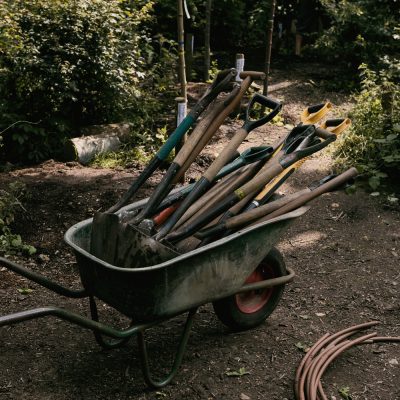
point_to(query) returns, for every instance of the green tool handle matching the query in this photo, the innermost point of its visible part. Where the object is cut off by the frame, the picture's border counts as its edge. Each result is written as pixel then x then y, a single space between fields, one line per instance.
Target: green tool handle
pixel 248 77
pixel 175 137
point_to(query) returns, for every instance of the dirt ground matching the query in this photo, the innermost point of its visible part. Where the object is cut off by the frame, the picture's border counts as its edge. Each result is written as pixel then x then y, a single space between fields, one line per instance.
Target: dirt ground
pixel 345 252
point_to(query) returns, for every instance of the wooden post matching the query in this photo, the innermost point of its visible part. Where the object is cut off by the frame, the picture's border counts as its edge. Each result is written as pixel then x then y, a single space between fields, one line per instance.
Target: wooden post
pixel 189 44
pixel 207 50
pixel 181 50
pixel 181 109
pixel 270 29
pixel 239 66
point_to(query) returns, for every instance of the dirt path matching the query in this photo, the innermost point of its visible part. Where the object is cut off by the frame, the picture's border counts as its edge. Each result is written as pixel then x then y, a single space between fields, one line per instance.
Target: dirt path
pixel 345 252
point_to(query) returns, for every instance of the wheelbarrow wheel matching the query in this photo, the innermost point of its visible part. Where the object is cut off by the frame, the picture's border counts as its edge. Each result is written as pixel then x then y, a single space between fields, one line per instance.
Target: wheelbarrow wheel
pixel 247 310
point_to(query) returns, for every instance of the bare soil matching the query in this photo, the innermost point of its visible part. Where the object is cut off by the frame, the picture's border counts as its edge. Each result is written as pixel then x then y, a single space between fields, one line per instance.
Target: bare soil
pixel 345 252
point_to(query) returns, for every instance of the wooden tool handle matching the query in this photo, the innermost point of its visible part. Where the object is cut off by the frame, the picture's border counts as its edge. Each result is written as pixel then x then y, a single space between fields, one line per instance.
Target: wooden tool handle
pixel 326 187
pixel 225 155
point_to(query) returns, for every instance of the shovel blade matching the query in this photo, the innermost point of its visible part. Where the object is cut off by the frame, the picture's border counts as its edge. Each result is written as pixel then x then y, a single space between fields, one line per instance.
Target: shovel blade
pixel 103 240
pixel 138 250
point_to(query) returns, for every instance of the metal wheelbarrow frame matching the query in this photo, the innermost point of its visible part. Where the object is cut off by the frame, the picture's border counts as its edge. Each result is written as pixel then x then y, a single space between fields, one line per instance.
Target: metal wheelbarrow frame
pixel 154 294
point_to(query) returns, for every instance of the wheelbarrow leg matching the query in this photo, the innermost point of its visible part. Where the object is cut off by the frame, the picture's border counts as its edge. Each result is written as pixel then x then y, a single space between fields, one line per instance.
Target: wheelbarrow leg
pixel 105 343
pixel 144 357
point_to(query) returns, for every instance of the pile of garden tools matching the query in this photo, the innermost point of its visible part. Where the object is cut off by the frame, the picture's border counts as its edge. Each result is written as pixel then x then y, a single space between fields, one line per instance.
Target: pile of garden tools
pixel 236 191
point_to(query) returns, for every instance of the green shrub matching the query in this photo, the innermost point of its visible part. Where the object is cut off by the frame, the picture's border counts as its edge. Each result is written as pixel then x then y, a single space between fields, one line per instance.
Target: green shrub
pixel 10 201
pixel 361 31
pixel 66 64
pixel 373 143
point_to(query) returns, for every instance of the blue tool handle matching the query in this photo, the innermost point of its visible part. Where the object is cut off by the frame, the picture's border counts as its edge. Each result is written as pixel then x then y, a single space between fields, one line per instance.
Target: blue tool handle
pixel 175 137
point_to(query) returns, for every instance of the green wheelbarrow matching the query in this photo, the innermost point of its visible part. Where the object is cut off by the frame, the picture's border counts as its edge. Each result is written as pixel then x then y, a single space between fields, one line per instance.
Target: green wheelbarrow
pixel 243 275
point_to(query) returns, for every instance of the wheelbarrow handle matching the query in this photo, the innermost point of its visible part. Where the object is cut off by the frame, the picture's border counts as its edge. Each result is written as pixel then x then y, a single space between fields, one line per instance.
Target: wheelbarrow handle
pixel 42 280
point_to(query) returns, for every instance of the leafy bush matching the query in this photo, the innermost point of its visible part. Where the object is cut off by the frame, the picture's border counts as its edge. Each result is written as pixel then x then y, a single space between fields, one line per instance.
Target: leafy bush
pixel 66 64
pixel 10 201
pixel 361 31
pixel 373 143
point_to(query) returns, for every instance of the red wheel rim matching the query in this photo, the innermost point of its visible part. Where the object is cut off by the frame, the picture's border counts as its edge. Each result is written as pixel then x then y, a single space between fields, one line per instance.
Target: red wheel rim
pixel 255 300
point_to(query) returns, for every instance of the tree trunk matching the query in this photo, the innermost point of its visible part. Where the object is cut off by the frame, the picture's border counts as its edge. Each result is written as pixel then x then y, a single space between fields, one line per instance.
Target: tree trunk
pixel 270 29
pixel 207 51
pixel 100 139
pixel 181 49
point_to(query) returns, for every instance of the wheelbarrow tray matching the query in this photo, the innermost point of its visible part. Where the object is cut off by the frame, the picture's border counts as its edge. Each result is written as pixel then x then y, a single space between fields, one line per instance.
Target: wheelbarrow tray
pixel 200 276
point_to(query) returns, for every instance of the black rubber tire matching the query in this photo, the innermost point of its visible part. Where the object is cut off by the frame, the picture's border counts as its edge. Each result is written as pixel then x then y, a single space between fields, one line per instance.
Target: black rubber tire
pixel 230 310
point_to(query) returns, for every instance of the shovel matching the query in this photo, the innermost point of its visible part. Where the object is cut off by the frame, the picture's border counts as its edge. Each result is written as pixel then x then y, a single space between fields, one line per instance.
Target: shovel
pixel 220 83
pixel 314 113
pixel 326 187
pixel 124 245
pixel 101 227
pixel 191 149
pixel 145 250
pixel 204 183
pixel 248 217
pixel 310 116
pixel 299 145
pixel 248 156
pixel 336 126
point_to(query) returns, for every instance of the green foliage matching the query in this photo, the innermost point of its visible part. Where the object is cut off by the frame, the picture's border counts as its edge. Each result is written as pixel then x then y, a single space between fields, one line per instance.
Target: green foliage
pixel 345 393
pixel 137 151
pixel 373 142
pixel 10 201
pixel 66 64
pixel 361 31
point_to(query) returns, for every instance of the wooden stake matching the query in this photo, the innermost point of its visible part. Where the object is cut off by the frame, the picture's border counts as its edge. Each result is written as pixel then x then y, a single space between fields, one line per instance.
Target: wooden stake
pixel 270 29
pixel 189 40
pixel 207 51
pixel 181 50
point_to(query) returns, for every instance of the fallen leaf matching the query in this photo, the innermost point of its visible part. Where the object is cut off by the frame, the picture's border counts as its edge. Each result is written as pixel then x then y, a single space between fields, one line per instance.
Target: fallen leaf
pixel 25 290
pixel 242 371
pixel 302 347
